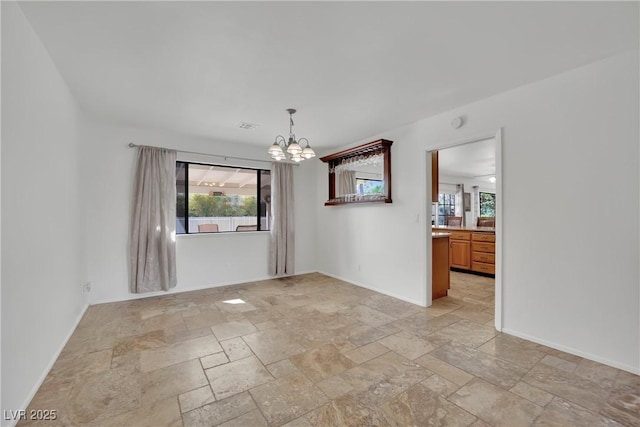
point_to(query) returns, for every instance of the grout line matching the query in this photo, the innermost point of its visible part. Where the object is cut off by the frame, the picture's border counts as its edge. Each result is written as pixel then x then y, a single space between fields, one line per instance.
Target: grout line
pixel 179 405
pixel 257 406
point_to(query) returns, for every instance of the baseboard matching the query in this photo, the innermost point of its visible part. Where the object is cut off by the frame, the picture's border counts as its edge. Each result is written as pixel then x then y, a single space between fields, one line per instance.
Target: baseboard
pixel 51 363
pixel 632 369
pixel 302 272
pixel 130 297
pixel 373 288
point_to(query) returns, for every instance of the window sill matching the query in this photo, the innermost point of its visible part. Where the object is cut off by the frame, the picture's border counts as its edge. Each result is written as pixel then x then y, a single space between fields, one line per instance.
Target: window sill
pixel 222 233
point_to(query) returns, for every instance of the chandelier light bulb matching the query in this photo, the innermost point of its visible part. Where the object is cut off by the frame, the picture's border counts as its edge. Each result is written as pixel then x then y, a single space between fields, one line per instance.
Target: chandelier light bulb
pixel 275 148
pixel 308 152
pixel 294 148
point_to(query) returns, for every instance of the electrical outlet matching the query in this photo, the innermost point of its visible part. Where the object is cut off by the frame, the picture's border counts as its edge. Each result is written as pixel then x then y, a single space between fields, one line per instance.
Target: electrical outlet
pixel 87 287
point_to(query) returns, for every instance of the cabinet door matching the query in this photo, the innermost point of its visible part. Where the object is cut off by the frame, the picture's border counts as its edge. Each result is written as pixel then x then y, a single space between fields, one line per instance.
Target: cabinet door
pixel 484 247
pixel 440 268
pixel 483 267
pixel 460 254
pixel 434 176
pixel 483 237
pixel 483 257
pixel 460 235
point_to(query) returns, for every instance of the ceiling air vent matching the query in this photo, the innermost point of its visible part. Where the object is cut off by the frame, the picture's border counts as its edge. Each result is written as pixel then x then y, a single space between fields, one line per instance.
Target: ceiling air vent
pixel 247 126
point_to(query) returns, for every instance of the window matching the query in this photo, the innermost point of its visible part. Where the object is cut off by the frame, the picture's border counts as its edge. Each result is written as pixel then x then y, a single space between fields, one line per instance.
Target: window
pixel 213 198
pixel 487 204
pixel 446 207
pixel 366 186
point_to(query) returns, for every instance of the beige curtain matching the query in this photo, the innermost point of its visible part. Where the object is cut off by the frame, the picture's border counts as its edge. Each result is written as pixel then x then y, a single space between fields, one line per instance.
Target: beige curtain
pixel 347 182
pixel 282 238
pixel 460 202
pixel 475 204
pixel 153 221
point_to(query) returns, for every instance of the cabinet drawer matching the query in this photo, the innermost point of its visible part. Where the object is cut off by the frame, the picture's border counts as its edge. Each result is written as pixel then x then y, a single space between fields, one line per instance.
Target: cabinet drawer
pixel 460 235
pixel 483 237
pixel 483 247
pixel 483 268
pixel 484 257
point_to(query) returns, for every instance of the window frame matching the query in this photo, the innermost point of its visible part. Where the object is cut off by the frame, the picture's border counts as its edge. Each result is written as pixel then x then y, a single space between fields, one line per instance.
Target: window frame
pixel 451 205
pixel 258 172
pixel 381 181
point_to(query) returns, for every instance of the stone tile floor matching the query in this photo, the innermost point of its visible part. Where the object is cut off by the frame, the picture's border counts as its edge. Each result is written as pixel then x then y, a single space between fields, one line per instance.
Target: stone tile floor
pixel 311 350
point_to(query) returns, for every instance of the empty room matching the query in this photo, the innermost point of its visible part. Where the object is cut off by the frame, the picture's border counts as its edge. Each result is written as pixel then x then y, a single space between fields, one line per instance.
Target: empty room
pixel 320 213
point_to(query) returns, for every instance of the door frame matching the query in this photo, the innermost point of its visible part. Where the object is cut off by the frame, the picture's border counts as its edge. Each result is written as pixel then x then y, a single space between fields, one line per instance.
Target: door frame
pixel 427 231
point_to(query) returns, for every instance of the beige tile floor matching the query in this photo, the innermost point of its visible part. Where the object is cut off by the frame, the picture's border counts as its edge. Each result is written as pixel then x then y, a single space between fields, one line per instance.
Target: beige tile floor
pixel 311 350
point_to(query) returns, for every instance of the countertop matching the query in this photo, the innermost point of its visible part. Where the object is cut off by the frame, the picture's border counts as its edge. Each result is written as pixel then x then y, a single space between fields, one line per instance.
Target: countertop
pixel 440 234
pixel 464 228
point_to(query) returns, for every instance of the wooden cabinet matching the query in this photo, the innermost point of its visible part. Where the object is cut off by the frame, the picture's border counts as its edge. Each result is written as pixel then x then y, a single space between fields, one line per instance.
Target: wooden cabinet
pixel 481 267
pixel 483 257
pixel 440 267
pixel 434 176
pixel 471 250
pixel 483 237
pixel 461 235
pixel 483 253
pixel 460 254
pixel 459 249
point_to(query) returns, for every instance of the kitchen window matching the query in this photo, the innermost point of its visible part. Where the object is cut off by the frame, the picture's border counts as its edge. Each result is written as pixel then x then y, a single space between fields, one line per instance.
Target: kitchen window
pixel 446 207
pixel 216 199
pixel 487 204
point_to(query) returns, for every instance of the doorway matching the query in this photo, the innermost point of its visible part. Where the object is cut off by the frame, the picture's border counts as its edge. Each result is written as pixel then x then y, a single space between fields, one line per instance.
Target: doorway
pixel 469 186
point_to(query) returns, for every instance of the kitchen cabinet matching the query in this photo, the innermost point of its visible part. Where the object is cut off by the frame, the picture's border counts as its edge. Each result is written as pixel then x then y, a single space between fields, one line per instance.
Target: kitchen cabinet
pixel 460 249
pixel 460 254
pixel 471 248
pixel 440 266
pixel 434 176
pixel 483 253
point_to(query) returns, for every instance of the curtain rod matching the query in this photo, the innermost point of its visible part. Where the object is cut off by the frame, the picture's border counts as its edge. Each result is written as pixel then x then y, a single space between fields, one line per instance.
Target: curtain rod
pixel 132 145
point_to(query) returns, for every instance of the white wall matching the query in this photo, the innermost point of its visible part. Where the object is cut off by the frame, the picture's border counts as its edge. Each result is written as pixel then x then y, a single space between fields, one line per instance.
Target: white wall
pixel 570 279
pixel 83 170
pixel 0 235
pixel 371 245
pixel 42 248
pixel 202 260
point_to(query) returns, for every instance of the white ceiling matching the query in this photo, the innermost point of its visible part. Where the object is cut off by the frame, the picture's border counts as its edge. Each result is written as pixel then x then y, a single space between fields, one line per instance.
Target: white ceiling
pixel 352 69
pixel 476 160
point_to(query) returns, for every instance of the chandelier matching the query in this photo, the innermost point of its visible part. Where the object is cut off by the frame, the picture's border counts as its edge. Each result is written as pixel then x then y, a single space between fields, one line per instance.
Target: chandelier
pixel 292 147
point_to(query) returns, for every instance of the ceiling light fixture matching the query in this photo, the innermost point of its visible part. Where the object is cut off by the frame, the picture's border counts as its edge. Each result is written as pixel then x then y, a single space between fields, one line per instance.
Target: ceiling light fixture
pixel 292 146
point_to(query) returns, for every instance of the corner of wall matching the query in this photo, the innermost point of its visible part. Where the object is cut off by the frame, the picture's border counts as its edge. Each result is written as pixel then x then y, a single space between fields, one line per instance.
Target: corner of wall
pixel 40 122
